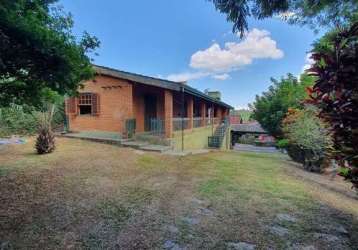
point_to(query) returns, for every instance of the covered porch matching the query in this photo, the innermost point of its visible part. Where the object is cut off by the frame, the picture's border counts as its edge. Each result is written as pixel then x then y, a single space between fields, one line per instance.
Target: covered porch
pixel 161 112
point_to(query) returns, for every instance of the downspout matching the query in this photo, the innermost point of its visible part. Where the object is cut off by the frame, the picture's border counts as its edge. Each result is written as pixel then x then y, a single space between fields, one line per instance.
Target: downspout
pixel 182 118
pixel 212 119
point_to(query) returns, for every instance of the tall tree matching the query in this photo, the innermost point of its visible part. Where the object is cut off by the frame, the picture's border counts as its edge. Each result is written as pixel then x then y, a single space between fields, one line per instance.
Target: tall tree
pixel 314 13
pixel 38 51
pixel 271 107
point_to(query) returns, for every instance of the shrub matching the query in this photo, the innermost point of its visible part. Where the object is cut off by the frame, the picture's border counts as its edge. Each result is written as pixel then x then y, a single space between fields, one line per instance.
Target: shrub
pixel 282 144
pixel 307 136
pixel 17 119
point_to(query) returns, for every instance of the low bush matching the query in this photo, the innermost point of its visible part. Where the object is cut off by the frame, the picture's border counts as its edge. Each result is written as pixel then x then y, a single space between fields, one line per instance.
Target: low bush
pixel 282 144
pixel 17 119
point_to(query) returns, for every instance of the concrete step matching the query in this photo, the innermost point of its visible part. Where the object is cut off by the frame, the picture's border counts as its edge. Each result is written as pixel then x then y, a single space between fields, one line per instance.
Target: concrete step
pixel 155 148
pixel 134 144
pixel 94 138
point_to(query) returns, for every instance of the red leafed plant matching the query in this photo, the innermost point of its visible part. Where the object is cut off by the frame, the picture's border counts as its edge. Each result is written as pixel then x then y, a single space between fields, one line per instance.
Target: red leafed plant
pixel 335 93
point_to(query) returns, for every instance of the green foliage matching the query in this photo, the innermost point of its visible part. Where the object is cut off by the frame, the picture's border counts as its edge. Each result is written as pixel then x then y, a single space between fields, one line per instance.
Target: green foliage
pixel 335 92
pixel 270 108
pixel 308 137
pixel 17 119
pixel 315 14
pixel 38 52
pixel 344 172
pixel 245 114
pixel 306 129
pixel 282 144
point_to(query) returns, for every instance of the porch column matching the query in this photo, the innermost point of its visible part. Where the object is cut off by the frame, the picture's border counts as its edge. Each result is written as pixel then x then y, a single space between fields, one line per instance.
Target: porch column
pixel 226 113
pixel 203 113
pixel 168 113
pixel 219 113
pixel 190 112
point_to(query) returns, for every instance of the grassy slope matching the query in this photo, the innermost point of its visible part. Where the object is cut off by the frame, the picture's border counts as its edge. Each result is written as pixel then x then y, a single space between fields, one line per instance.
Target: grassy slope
pixel 89 195
pixel 198 139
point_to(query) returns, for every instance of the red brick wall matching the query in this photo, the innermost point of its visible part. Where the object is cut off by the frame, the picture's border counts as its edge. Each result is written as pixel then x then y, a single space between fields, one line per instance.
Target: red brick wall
pixel 121 100
pixel 139 93
pixel 116 105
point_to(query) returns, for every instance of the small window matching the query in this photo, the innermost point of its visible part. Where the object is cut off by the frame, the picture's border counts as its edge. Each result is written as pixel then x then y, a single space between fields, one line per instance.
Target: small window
pixel 85 104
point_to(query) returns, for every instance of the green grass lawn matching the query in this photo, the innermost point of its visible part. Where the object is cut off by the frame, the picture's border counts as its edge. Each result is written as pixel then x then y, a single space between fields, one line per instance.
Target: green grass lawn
pixel 87 195
pixel 196 139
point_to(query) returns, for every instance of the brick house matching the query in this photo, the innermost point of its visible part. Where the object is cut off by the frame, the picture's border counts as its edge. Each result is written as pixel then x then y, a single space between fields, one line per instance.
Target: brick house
pixel 114 99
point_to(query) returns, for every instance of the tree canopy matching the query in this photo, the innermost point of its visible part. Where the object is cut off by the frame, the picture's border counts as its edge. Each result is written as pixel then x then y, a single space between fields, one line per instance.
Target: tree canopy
pixel 314 13
pixel 271 107
pixel 39 52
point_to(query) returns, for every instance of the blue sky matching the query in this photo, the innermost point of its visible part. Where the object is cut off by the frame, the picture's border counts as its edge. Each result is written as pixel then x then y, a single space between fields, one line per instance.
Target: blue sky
pixel 185 40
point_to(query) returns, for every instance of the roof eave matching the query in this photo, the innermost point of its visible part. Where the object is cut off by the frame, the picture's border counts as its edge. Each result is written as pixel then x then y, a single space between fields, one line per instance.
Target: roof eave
pixel 156 82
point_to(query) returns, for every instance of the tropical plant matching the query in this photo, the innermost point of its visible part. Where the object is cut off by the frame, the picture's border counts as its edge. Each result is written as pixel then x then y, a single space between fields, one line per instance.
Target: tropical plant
pixel 335 93
pixel 270 108
pixel 45 142
pixel 304 12
pixel 38 51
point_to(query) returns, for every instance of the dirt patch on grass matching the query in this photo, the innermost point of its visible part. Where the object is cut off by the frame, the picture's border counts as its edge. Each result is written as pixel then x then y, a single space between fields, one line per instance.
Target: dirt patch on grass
pixel 94 196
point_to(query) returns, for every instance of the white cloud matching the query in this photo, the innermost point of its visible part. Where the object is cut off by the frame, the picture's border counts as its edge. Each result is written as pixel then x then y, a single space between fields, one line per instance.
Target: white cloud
pixel 286 15
pixel 217 62
pixel 308 62
pixel 221 77
pixel 187 76
pixel 241 107
pixel 257 44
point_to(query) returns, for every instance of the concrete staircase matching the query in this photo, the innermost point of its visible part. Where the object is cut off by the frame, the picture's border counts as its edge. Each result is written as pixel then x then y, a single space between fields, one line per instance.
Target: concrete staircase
pixel 216 140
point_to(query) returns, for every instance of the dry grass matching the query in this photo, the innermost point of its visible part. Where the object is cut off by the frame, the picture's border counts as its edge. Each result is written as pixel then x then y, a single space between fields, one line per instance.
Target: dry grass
pixel 93 196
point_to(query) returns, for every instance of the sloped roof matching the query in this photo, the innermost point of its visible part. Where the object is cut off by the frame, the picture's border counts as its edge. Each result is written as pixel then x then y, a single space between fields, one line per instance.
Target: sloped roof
pixel 156 82
pixel 253 127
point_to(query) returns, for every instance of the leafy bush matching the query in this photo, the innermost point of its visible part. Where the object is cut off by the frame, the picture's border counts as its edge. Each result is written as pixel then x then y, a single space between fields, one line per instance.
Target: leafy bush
pixel 17 119
pixel 344 172
pixel 282 144
pixel 335 93
pixel 23 119
pixel 307 136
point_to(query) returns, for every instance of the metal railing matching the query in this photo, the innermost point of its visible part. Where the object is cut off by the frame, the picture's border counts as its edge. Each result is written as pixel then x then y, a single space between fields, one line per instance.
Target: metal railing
pixel 180 123
pixel 155 126
pixel 197 122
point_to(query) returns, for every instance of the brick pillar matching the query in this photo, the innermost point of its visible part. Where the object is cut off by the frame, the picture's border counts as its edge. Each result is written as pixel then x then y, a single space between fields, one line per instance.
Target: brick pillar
pixel 220 115
pixel 190 112
pixel 226 112
pixel 168 113
pixel 203 113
